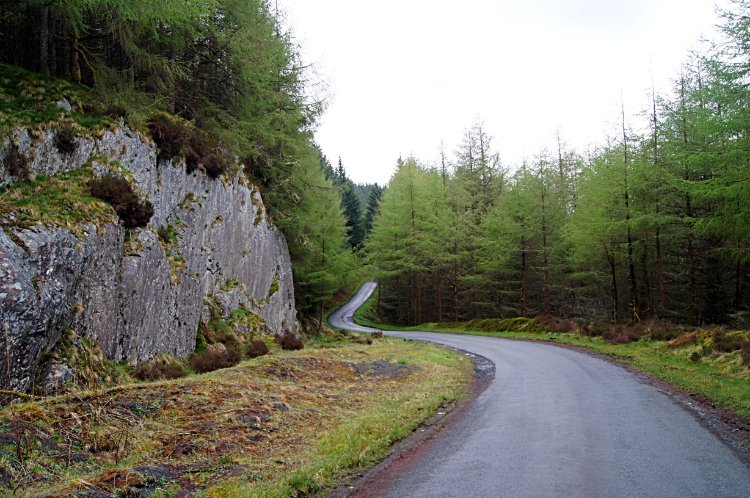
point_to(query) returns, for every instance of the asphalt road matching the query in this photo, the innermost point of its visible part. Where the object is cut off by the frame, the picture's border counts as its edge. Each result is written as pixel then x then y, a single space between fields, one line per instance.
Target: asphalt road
pixel 559 423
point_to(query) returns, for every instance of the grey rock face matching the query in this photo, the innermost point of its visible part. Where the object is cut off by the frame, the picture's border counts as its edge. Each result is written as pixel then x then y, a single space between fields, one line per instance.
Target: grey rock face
pixel 54 375
pixel 129 298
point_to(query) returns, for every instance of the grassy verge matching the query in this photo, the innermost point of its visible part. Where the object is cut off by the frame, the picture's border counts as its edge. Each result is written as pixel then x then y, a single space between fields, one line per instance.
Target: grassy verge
pixel 690 364
pixel 297 421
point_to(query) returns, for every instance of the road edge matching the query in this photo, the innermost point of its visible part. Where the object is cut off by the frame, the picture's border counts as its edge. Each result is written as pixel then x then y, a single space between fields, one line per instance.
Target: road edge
pixel 371 481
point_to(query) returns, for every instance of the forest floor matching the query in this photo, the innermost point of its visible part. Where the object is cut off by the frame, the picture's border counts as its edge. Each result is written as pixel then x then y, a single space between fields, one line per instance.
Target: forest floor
pixel 294 422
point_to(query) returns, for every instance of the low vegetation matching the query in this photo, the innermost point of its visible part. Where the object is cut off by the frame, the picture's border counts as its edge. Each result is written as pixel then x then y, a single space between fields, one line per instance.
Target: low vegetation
pixel 62 200
pixel 133 212
pixel 289 424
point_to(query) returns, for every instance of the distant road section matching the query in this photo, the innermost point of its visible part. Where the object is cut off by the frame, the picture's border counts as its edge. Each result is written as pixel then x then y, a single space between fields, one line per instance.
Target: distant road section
pixel 559 423
pixel 342 317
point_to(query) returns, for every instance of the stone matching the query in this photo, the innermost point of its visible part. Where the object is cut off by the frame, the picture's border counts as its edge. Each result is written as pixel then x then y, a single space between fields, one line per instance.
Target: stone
pixel 135 306
pixel 64 104
pixel 55 375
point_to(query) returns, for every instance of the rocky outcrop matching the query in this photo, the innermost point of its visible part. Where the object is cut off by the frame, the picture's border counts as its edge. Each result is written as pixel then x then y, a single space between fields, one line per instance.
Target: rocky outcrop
pixel 128 291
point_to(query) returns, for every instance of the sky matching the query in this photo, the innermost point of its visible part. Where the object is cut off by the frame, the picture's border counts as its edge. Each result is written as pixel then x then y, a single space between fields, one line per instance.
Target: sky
pixel 404 75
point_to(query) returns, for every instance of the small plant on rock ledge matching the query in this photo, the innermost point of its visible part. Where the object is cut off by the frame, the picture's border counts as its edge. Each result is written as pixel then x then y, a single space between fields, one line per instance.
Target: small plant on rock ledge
pixel 65 139
pixel 15 163
pixel 119 193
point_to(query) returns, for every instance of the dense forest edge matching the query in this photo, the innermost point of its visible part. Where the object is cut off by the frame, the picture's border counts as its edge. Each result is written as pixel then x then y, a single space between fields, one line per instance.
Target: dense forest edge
pixel 651 223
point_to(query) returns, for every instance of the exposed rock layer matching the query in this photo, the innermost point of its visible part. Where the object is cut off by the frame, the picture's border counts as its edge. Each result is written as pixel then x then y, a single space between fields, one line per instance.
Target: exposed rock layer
pixel 130 299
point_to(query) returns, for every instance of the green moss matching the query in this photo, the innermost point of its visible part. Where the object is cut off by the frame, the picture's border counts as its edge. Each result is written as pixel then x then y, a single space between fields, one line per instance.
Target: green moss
pixel 169 236
pixel 232 283
pixel 274 285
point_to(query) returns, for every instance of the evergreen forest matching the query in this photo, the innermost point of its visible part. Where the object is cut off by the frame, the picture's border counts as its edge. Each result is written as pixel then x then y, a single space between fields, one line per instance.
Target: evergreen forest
pixel 652 222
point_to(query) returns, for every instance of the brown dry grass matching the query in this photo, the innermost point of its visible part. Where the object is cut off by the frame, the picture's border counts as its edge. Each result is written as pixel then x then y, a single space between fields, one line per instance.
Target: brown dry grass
pixel 271 426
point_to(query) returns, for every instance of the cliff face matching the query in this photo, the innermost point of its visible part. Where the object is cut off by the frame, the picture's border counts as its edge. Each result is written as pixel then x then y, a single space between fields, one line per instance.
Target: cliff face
pixel 131 292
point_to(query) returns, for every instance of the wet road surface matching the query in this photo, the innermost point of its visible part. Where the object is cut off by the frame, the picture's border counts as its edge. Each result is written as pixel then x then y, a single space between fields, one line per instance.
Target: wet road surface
pixel 559 423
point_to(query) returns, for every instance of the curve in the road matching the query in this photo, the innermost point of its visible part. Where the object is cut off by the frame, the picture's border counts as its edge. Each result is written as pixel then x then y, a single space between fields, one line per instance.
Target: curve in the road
pixel 343 318
pixel 559 423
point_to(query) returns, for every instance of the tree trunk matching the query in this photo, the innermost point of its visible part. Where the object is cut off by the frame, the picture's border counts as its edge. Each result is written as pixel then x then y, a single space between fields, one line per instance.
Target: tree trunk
pixel 634 305
pixel 398 289
pixel 662 294
pixel 320 325
pixel 419 300
pixel 737 288
pixel 44 41
pixel 691 262
pixel 615 303
pixel 455 283
pixel 439 299
pixel 631 264
pixel 75 66
pixel 546 257
pixel 649 310
pixel 523 279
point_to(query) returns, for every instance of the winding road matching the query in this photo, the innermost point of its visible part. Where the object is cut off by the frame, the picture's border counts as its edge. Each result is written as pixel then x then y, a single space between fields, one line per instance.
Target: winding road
pixel 559 423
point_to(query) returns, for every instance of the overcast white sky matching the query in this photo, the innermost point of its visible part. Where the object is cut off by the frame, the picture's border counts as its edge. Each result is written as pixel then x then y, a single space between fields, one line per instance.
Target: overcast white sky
pixel 406 74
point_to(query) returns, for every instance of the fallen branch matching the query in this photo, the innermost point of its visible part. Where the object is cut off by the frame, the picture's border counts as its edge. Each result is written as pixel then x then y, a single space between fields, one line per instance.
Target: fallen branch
pixel 20 395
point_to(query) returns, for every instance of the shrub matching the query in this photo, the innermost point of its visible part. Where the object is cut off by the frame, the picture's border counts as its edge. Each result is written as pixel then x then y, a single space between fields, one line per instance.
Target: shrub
pixel 119 193
pixel 727 343
pixel 745 354
pixel 216 356
pixel 597 329
pixel 162 367
pixel 663 331
pixel 256 348
pixel 170 136
pixel 554 324
pixel 15 163
pixel 65 139
pixel 289 341
pixel 681 340
pixel 199 149
pixel 216 164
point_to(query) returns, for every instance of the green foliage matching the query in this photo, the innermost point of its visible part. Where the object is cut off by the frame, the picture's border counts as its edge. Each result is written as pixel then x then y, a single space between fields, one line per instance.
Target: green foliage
pixel 650 223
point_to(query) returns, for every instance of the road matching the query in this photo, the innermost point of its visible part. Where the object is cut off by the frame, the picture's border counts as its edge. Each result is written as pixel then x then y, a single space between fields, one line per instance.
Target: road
pixel 559 423
pixel 342 317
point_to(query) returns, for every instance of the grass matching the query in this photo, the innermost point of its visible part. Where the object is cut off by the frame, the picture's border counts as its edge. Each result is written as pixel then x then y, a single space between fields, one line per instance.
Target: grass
pixel 692 366
pixel 62 200
pixel 29 99
pixel 293 423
